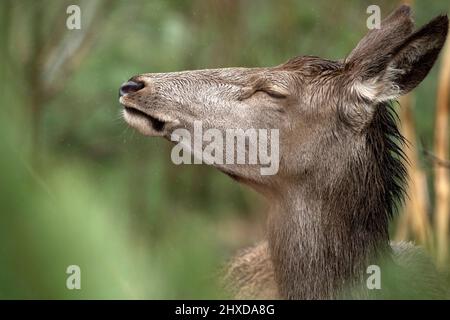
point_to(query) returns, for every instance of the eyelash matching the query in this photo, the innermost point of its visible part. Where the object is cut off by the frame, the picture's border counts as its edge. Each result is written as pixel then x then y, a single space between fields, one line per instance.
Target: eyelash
pixel 273 94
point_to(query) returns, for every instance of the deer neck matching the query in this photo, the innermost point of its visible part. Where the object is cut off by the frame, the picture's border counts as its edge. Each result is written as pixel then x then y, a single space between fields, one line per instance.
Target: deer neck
pixel 328 227
pixel 322 246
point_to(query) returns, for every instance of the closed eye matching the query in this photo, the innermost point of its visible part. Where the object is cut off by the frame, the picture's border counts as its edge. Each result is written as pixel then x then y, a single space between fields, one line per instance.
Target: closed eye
pixel 273 93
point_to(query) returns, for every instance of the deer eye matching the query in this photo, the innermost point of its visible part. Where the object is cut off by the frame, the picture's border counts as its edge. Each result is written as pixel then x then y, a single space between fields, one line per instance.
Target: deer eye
pixel 273 93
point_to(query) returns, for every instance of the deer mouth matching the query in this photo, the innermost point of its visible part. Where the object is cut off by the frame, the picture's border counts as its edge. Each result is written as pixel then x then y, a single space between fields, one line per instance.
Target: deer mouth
pixel 147 123
pixel 155 123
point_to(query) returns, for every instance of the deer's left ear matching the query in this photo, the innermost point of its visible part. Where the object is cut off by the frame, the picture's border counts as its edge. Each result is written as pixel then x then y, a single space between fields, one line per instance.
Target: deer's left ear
pixel 388 75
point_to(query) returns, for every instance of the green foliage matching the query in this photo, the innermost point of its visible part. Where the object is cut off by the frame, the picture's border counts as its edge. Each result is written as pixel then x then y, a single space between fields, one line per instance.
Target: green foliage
pixel 84 189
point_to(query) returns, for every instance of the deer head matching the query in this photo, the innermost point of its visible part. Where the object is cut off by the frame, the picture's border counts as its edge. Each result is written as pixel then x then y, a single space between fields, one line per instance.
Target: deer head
pixel 313 102
pixel 337 178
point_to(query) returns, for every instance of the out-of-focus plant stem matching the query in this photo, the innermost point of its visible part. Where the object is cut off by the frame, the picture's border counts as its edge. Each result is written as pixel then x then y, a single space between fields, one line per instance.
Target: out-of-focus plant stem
pixel 416 205
pixel 415 210
pixel 441 151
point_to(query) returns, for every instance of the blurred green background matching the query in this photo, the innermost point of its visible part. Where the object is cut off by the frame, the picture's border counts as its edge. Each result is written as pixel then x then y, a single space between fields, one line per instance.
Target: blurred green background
pixel 77 186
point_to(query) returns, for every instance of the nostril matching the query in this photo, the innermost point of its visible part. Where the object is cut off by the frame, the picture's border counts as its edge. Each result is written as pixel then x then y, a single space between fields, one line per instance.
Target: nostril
pixel 130 87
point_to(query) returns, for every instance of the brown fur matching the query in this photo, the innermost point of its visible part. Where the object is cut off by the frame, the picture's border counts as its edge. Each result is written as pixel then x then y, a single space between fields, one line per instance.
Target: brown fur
pixel 341 168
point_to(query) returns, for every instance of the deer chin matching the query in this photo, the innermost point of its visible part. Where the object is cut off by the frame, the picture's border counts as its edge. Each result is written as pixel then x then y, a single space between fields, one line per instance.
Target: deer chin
pixel 148 123
pixel 249 182
pixel 238 177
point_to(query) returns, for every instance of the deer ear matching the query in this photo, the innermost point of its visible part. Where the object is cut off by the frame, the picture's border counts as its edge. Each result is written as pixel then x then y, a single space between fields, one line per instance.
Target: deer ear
pixel 393 31
pixel 397 69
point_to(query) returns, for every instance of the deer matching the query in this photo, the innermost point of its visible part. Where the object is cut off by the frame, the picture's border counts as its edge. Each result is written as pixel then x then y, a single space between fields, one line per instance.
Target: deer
pixel 342 169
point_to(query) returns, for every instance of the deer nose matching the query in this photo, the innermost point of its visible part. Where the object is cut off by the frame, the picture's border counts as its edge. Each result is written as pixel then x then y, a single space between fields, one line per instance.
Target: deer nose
pixel 130 87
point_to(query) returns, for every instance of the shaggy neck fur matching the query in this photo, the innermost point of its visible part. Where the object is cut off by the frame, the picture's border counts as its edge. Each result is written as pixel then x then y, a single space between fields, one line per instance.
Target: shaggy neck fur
pixel 329 227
